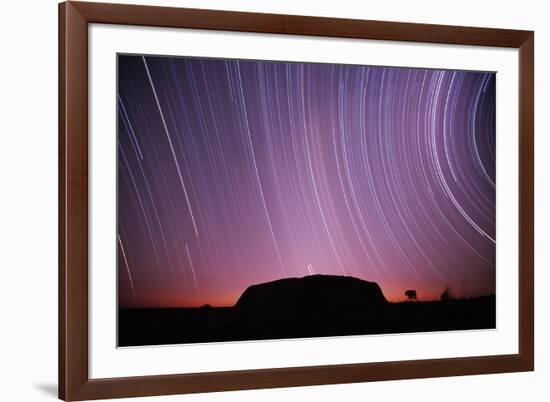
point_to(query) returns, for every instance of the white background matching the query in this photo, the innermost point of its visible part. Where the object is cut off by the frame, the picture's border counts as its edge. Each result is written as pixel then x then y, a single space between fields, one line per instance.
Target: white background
pixel 28 200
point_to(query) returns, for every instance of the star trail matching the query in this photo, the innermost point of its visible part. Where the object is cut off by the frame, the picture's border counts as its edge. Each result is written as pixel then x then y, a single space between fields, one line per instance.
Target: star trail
pixel 232 173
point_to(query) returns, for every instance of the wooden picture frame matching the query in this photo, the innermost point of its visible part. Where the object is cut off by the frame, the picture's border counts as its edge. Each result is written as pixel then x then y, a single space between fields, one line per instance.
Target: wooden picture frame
pixel 74 381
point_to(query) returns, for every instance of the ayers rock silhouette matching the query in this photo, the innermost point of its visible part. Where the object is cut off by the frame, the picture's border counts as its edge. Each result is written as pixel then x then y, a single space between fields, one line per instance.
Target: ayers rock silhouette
pixel 315 294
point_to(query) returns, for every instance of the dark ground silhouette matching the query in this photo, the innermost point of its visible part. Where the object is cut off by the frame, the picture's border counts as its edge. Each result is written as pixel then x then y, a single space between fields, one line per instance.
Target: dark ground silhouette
pixel 313 306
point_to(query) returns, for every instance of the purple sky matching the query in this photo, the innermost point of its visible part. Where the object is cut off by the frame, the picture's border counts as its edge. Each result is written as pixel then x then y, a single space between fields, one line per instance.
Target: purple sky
pixel 232 173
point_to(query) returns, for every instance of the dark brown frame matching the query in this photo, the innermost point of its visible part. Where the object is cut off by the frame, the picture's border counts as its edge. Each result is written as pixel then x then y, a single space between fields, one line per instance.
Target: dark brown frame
pixel 74 382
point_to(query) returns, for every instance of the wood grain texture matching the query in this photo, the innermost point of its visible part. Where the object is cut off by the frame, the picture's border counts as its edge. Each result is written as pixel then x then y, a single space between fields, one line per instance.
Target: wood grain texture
pixel 526 201
pixel 74 382
pixel 298 25
pixel 73 204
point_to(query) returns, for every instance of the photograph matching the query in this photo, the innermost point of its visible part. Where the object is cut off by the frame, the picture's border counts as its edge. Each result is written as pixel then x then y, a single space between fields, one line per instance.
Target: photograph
pixel 262 200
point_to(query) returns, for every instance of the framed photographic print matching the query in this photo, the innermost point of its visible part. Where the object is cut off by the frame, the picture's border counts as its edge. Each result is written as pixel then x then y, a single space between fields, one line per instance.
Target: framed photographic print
pixel 258 200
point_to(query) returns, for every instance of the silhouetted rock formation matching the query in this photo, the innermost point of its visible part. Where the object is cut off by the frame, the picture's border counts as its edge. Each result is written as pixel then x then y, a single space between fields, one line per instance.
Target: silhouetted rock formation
pixel 316 294
pixel 313 306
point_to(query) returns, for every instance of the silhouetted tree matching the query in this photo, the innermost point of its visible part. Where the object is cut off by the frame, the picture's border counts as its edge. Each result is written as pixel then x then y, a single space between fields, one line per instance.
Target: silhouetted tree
pixel 447 294
pixel 411 294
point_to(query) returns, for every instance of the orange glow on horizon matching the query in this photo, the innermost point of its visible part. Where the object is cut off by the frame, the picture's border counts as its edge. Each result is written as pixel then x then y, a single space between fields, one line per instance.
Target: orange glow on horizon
pixel 229 300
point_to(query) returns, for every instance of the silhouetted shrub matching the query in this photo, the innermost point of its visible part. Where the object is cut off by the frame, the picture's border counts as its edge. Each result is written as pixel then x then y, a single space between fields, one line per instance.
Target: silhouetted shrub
pixel 411 294
pixel 447 294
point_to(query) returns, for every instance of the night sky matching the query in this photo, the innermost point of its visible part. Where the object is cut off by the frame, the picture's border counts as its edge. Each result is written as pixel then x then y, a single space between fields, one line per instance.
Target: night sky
pixel 232 173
